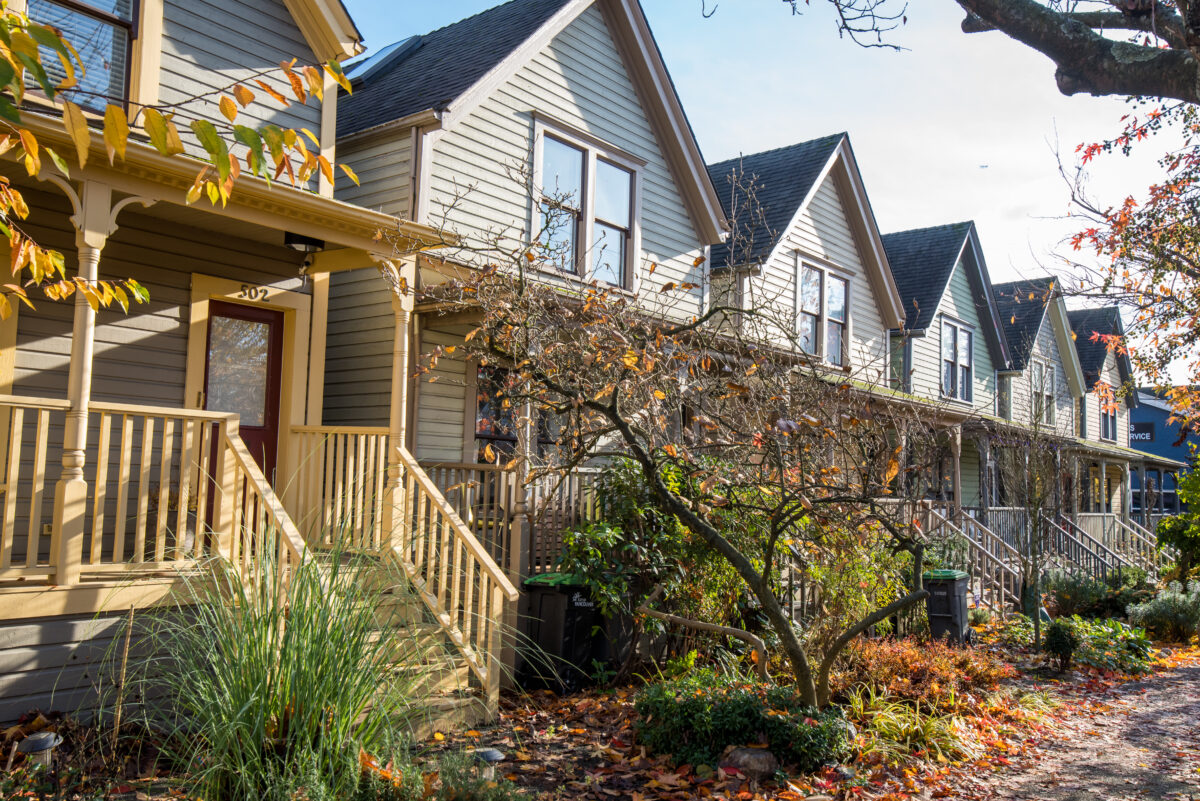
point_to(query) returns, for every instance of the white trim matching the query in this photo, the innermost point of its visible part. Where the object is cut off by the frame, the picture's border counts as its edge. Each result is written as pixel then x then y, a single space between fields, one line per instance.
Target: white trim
pixel 826 271
pixel 961 325
pixel 1068 355
pixel 674 136
pixel 593 150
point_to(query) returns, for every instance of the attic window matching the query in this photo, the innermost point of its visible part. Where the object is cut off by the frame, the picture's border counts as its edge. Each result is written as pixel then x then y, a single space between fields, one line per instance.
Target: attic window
pixel 102 32
pixel 1043 393
pixel 586 208
pixel 957 360
pixel 822 313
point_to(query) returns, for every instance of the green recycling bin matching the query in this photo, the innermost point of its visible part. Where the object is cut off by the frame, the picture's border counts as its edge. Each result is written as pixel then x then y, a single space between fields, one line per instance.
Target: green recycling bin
pixel 565 634
pixel 947 604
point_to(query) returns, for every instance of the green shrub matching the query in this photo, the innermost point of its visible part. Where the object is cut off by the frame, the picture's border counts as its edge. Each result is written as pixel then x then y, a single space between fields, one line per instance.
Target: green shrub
pixel 1173 614
pixel 1077 594
pixel 695 718
pixel 1061 642
pixel 1110 645
pixel 275 681
pixel 450 777
pixel 980 616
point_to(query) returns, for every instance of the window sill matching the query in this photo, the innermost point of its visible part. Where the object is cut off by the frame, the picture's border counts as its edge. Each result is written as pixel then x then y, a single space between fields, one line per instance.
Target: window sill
pixel 574 279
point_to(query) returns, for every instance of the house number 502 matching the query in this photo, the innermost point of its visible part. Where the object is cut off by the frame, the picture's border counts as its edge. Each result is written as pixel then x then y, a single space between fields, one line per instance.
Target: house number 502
pixel 253 292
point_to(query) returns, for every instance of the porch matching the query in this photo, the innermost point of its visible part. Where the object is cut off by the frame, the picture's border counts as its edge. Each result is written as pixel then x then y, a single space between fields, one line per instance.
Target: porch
pixel 133 446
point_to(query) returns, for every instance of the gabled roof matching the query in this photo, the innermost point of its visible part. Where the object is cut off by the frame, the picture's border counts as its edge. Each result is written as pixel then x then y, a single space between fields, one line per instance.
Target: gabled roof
pixel 1089 325
pixel 445 74
pixel 327 28
pixel 440 66
pixel 782 180
pixel 1022 306
pixel 922 262
pixel 785 180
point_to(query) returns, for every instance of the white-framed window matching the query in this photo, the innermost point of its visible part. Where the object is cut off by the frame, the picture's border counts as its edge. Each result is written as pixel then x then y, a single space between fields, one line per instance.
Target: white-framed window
pixel 102 33
pixel 1108 421
pixel 958 360
pixel 1043 392
pixel 823 313
pixel 587 202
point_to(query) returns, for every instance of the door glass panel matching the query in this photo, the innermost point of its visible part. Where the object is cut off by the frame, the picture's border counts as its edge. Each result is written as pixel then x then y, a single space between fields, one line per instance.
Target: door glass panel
pixel 238 362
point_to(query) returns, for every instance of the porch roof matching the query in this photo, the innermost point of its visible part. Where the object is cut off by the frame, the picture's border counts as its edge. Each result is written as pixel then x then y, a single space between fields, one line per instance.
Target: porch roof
pixel 146 173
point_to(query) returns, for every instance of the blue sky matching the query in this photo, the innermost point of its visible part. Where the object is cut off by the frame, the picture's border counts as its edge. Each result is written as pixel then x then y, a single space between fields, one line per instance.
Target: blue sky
pixel 954 127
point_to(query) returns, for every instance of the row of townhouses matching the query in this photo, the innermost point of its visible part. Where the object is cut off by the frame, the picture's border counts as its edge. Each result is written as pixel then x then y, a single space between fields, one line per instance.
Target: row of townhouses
pixel 268 383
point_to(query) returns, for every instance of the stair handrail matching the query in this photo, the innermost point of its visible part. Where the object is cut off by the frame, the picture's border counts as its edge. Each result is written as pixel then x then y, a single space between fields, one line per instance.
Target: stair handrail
pixel 980 547
pixel 1145 549
pixel 1084 553
pixel 289 535
pixel 1151 538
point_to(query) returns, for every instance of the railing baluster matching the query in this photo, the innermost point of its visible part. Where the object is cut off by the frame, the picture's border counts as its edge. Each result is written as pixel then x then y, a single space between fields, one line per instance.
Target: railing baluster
pixel 143 507
pixel 101 489
pixel 12 486
pixel 39 488
pixel 164 489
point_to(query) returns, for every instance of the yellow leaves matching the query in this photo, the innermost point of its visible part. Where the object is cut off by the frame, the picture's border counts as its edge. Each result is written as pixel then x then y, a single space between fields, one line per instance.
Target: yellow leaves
pixel 354 177
pixel 660 395
pixel 243 95
pixel 228 107
pixel 316 82
pixel 116 132
pixel 667 287
pixel 335 70
pixel 164 136
pixel 630 359
pixel 294 80
pixel 489 454
pixel 77 128
pixel 33 162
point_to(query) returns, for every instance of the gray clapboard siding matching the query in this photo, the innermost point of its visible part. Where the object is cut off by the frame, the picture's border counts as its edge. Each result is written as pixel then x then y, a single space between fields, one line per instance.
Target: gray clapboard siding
pixel 358 350
pixel 578 78
pixel 1045 349
pixel 383 165
pixel 141 357
pixel 55 663
pixel 211 44
pixel 956 302
pixel 444 411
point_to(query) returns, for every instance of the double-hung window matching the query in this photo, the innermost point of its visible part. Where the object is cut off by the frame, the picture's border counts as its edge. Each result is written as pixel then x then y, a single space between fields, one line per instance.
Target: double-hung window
pixel 102 32
pixel 1043 393
pixel 586 209
pixel 958 349
pixel 823 314
pixel 1108 421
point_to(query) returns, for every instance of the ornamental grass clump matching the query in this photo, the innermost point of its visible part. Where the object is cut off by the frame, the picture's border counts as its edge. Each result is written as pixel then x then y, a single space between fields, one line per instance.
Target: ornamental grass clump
pixel 894 729
pixel 273 681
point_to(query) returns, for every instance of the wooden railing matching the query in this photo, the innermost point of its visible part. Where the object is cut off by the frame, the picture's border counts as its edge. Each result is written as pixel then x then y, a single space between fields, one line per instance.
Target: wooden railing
pixel 557 503
pixel 337 493
pixel 485 496
pixel 1065 540
pixel 28 503
pixel 165 487
pixel 972 547
pixel 460 583
pixel 1136 545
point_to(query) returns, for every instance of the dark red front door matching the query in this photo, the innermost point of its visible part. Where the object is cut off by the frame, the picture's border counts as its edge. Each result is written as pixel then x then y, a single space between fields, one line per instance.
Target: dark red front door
pixel 242 370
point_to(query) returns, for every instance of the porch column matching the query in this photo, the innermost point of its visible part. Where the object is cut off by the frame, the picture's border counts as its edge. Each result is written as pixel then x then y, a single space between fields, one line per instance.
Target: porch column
pixel 1076 489
pixel 400 278
pixel 1144 512
pixel 519 542
pixel 92 222
pixel 1126 494
pixel 983 448
pixel 956 456
pixel 1103 500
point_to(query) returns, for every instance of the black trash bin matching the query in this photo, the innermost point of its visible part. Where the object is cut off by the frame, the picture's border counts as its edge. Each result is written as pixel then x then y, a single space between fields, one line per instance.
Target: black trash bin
pixel 565 634
pixel 947 605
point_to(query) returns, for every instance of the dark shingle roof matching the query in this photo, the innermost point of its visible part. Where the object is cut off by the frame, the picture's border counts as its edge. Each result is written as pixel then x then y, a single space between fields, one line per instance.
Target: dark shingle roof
pixel 922 261
pixel 782 178
pixel 447 63
pixel 1087 322
pixel 1022 306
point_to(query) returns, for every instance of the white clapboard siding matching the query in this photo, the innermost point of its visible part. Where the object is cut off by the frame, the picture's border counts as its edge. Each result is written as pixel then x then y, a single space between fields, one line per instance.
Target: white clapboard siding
pixel 1112 375
pixel 208 45
pixel 359 344
pixel 1045 349
pixel 383 165
pixel 956 302
pixel 578 78
pixel 823 231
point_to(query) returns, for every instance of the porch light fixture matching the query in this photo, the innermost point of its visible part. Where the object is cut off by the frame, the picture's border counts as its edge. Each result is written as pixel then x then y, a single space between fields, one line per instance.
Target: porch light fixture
pixel 301 243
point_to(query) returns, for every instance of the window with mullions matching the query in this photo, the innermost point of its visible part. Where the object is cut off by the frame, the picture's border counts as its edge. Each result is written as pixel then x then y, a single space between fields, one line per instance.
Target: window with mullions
pixel 496 419
pixel 1043 393
pixel 1108 421
pixel 102 32
pixel 586 225
pixel 823 314
pixel 957 361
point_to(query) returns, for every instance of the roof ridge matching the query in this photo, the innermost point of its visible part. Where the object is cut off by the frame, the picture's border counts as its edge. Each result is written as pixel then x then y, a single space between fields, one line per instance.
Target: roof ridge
pixel 925 229
pixel 774 150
